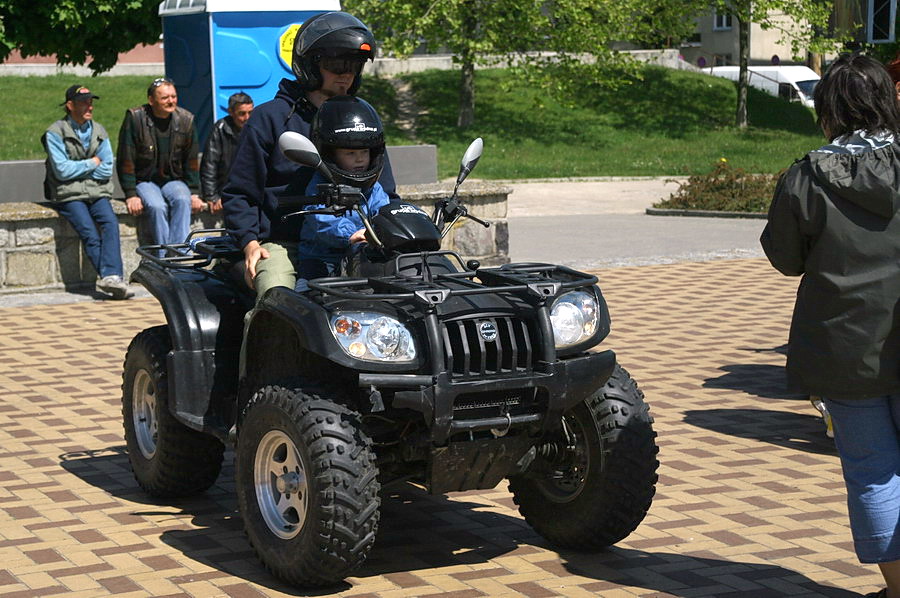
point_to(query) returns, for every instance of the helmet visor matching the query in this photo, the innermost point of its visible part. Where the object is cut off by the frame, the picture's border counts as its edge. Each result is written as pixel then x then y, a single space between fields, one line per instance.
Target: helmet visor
pixel 340 65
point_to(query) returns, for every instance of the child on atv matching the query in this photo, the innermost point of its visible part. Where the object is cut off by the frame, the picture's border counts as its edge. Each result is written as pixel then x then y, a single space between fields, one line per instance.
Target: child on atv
pixel 349 136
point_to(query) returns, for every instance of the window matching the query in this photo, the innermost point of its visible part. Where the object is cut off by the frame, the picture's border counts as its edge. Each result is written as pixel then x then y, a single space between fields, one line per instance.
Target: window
pixel 880 21
pixel 721 22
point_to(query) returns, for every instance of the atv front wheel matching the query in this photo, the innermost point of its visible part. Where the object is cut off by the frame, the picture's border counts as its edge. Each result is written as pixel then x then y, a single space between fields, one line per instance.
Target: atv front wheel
pixel 591 485
pixel 169 460
pixel 307 485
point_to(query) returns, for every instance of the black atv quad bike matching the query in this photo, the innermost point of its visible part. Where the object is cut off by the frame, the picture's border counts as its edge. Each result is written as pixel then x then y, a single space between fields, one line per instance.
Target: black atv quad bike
pixel 418 368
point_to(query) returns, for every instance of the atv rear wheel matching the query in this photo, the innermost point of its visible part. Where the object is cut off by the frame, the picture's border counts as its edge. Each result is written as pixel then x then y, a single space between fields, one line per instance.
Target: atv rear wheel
pixel 307 485
pixel 591 486
pixel 168 459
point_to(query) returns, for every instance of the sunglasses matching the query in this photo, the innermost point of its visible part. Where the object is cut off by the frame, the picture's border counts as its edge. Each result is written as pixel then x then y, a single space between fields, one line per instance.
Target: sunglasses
pixel 340 65
pixel 157 82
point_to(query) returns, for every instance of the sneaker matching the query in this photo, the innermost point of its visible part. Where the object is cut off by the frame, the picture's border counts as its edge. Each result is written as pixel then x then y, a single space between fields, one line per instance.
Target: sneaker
pixel 115 286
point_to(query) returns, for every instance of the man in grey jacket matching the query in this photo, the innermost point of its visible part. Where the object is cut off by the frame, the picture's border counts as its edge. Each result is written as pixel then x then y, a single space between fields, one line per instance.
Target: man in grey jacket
pixel 78 170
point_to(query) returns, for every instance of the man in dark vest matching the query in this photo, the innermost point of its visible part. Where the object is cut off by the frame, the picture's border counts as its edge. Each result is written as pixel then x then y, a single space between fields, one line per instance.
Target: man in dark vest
pixel 79 166
pixel 157 163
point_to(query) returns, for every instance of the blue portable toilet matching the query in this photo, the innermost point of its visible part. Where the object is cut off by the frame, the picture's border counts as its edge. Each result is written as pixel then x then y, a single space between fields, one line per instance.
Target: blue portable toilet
pixel 214 48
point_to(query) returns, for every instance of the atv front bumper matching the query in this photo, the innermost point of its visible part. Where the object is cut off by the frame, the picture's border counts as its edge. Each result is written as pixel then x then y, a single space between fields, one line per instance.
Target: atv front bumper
pixel 564 383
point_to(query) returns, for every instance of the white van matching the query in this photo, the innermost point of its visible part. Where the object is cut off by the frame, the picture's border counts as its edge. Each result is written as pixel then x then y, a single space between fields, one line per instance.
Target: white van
pixel 793 83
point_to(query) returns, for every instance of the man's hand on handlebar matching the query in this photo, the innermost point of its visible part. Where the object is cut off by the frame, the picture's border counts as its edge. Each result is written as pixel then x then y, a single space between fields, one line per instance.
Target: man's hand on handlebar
pixel 253 252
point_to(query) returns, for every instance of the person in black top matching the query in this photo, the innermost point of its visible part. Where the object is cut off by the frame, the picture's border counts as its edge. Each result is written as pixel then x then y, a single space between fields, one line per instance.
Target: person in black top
pixel 219 151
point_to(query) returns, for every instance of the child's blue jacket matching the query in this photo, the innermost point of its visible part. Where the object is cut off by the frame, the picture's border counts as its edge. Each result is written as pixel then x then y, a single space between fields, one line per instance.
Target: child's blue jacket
pixel 327 238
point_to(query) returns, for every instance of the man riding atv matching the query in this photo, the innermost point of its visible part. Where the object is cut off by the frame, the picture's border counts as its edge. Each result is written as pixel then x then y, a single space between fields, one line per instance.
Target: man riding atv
pixel 329 53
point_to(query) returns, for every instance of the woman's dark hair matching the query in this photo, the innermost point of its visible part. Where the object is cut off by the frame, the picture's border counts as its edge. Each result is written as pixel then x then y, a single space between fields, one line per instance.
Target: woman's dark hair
pixel 856 93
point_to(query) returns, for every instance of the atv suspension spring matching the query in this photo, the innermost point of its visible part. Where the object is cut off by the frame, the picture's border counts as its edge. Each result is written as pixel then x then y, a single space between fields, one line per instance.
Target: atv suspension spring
pixel 551 451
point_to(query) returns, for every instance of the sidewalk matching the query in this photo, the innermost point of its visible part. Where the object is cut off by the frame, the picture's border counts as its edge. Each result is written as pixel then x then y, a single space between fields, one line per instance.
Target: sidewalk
pixel 601 223
pixel 750 500
pixel 596 195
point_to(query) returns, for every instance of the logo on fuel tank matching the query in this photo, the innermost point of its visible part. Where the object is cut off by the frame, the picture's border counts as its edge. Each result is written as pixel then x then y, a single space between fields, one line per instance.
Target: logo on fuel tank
pixel 488 331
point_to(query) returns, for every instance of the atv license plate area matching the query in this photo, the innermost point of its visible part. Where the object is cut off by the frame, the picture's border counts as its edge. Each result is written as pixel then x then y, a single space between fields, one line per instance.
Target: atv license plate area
pixel 479 405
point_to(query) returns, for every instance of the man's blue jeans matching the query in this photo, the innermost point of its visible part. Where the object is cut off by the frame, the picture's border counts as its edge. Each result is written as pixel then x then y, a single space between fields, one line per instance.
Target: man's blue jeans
pixel 168 209
pixel 101 246
pixel 867 435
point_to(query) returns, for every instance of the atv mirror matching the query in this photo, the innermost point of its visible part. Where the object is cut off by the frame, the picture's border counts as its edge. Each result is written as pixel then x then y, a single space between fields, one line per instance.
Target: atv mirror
pixel 301 150
pixel 469 160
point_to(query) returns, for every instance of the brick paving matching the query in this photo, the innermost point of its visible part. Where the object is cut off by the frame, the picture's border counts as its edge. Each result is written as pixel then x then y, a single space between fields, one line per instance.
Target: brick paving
pixel 750 500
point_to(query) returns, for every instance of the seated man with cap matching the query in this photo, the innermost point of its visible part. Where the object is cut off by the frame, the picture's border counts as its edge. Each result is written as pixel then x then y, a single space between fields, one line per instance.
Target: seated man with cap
pixel 78 170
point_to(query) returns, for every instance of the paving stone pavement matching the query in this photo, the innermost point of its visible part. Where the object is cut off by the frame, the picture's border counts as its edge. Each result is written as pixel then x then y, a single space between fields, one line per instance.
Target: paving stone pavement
pixel 750 500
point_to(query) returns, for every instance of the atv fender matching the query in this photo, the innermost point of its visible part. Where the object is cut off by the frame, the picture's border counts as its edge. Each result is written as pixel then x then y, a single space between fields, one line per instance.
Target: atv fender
pixel 205 319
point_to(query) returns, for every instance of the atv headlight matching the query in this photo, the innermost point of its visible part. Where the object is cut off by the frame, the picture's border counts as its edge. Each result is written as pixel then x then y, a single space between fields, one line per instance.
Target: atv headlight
pixel 372 336
pixel 575 317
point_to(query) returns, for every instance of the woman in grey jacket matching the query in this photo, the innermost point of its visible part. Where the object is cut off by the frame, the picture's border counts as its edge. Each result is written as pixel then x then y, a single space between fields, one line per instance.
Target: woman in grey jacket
pixel 834 221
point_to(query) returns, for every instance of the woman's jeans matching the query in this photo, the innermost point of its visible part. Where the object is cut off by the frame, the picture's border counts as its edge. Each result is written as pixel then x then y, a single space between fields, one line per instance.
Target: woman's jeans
pixel 168 208
pixel 97 225
pixel 867 439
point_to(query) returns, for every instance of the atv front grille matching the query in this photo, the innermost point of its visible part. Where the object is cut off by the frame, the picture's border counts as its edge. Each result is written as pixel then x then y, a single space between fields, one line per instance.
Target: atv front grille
pixel 486 346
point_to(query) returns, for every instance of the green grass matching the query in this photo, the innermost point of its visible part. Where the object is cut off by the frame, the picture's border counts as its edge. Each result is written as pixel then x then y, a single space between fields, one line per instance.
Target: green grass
pixel 37 99
pixel 37 102
pixel 670 123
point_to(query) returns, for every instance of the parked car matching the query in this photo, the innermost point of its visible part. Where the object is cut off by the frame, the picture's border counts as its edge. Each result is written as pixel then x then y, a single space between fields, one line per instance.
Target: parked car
pixel 793 83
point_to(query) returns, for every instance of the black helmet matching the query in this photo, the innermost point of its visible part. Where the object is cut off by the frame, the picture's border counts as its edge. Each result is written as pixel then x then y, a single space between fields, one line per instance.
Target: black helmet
pixel 330 34
pixel 351 123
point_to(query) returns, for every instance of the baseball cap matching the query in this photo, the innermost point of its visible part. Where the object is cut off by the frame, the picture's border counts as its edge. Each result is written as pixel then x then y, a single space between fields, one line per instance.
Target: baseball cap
pixel 79 92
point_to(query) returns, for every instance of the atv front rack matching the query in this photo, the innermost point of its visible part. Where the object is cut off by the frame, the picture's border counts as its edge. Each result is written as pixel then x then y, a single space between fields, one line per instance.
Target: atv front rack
pixel 538 281
pixel 535 280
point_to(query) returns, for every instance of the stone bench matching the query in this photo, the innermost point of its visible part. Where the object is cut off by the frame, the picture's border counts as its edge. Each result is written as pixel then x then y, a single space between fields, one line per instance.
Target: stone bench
pixel 39 250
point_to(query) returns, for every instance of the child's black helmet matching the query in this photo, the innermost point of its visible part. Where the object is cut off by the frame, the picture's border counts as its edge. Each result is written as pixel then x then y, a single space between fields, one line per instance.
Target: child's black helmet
pixel 351 123
pixel 331 34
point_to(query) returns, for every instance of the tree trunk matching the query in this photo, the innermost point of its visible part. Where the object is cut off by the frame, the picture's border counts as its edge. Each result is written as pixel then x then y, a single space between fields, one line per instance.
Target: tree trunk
pixel 467 95
pixel 466 116
pixel 740 119
pixel 814 61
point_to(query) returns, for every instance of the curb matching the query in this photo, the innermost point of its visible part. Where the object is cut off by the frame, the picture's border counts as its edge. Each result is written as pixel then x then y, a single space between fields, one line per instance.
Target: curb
pixel 583 179
pixel 704 213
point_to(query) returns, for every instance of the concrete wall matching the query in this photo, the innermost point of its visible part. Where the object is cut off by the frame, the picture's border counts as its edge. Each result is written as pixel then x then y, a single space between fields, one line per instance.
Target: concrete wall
pixel 40 251
pixel 23 180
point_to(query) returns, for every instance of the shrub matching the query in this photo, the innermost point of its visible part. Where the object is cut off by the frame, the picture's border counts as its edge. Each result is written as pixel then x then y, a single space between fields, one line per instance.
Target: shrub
pixel 724 189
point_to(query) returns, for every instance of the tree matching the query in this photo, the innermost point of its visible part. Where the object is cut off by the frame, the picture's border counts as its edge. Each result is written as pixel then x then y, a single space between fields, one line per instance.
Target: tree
pixel 560 44
pixel 797 21
pixel 78 30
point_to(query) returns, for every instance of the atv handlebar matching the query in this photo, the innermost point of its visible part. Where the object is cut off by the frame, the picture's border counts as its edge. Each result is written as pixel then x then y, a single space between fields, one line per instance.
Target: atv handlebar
pixel 451 209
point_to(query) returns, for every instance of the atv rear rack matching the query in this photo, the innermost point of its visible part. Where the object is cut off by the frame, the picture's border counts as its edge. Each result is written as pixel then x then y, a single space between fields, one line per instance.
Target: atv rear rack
pixel 197 251
pixel 540 281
